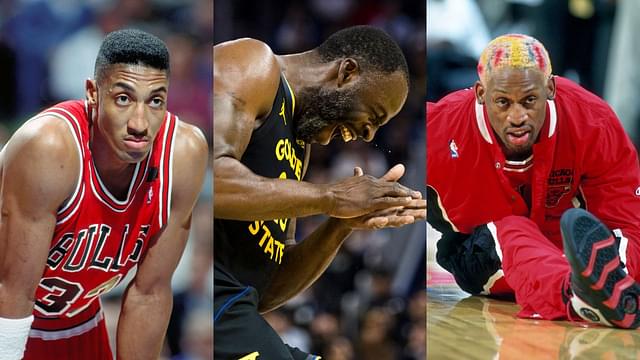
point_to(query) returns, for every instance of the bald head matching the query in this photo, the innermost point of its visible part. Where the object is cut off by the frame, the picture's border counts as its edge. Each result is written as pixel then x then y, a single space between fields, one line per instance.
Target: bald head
pixel 513 51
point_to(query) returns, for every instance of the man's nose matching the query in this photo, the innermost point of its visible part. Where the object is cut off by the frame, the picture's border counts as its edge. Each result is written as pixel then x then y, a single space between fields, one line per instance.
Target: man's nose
pixel 138 122
pixel 517 115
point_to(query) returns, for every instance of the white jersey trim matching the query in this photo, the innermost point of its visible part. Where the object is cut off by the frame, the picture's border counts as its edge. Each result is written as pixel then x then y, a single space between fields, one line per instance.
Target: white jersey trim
pixel 70 121
pixel 494 233
pixel 162 201
pixel 108 193
pixel 68 333
pixel 482 125
pixel 486 289
pixel 74 209
pixel 553 117
pixel 170 173
pixel 131 193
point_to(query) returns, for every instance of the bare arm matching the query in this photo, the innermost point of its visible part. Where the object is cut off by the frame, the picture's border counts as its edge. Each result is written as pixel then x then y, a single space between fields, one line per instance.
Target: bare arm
pixel 303 263
pixel 40 167
pixel 246 77
pixel 148 299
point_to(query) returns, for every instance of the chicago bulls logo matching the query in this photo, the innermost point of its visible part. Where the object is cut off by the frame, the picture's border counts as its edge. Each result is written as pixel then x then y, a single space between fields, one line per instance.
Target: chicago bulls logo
pixel 554 193
pixel 559 184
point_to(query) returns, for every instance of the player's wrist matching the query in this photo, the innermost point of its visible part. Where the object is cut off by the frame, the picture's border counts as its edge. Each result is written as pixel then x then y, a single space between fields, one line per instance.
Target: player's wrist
pixel 327 199
pixel 13 337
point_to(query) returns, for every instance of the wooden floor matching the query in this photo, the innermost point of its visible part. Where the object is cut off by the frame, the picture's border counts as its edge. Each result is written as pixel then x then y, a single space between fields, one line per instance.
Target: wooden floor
pixel 460 326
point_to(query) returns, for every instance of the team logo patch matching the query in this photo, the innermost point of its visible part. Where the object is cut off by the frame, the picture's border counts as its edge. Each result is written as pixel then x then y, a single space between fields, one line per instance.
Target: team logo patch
pixel 589 314
pixel 559 184
pixel 555 193
pixel 453 149
pixel 630 304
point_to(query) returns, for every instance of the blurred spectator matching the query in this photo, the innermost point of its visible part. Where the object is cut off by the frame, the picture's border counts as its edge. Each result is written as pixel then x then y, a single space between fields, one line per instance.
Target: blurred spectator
pixel 324 328
pixel 190 91
pixel 623 76
pixel 456 35
pixel 197 342
pixel 291 335
pixel 32 33
pixel 375 341
pixel 72 61
pixel 339 348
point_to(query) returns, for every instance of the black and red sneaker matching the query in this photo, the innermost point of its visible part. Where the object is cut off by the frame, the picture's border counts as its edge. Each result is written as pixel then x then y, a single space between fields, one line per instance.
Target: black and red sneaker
pixel 603 292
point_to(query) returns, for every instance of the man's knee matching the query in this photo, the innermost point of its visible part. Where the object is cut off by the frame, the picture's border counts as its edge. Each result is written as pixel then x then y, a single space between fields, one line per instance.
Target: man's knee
pixel 475 264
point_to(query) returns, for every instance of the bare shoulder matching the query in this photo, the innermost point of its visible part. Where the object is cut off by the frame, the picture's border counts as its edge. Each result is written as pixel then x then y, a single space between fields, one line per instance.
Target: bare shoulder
pixel 42 149
pixel 189 141
pixel 245 54
pixel 190 156
pixel 247 70
pixel 43 138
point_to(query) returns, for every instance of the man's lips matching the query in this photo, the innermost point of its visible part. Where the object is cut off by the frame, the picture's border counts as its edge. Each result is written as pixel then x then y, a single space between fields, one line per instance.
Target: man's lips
pixel 519 137
pixel 136 143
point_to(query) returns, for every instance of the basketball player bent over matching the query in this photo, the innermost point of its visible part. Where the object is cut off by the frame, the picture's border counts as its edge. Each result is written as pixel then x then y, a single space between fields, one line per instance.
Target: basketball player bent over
pixel 512 165
pixel 90 190
pixel 268 110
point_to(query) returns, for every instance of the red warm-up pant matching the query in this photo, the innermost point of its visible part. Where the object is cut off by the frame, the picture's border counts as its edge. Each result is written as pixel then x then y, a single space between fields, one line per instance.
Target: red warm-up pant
pixel 536 270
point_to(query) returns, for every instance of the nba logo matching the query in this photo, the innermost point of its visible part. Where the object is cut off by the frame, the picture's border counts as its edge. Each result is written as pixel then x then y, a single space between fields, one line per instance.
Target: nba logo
pixel 453 148
pixel 149 196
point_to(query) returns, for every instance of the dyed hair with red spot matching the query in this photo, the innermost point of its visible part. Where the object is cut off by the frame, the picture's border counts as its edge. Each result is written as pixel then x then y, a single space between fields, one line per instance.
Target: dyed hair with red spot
pixel 515 51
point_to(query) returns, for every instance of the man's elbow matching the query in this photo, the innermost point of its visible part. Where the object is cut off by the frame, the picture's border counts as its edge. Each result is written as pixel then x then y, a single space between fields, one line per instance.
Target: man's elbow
pixel 157 292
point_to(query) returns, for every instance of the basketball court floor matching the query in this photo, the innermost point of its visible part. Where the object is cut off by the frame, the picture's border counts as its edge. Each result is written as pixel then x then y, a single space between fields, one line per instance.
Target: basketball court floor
pixel 460 326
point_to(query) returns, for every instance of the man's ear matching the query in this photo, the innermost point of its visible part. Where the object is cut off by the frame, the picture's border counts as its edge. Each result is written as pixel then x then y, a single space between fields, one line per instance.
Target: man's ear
pixel 91 92
pixel 551 88
pixel 480 91
pixel 348 71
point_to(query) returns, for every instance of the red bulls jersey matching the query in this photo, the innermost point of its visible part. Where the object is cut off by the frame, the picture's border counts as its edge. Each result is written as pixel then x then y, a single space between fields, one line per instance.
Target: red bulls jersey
pixel 99 238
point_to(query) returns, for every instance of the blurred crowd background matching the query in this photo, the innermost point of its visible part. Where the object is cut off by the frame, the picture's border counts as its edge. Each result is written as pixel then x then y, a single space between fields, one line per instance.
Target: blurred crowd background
pixel 593 42
pixel 370 303
pixel 48 49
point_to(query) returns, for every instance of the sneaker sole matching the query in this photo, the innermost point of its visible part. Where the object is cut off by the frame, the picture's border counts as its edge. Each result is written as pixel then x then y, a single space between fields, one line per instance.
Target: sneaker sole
pixel 600 280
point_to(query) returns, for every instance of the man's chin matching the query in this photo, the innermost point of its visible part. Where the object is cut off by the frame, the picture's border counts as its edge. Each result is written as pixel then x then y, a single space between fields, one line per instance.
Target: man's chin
pixel 134 157
pixel 518 153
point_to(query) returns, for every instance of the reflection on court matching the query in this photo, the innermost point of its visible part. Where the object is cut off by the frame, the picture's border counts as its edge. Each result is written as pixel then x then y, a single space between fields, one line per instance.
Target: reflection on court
pixel 460 326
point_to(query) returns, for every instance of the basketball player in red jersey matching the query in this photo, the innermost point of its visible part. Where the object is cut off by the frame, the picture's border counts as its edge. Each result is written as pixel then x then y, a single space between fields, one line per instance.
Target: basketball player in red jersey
pixel 90 190
pixel 513 166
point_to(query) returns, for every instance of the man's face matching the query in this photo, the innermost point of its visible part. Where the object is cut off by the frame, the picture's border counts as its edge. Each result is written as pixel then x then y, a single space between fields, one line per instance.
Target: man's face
pixel 516 102
pixel 352 111
pixel 130 105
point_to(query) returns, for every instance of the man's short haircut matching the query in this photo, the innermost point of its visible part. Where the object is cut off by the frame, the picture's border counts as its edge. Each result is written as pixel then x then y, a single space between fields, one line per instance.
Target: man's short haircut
pixel 371 47
pixel 132 47
pixel 515 51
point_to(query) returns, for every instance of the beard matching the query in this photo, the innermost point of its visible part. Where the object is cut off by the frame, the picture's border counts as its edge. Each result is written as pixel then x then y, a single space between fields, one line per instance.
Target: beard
pixel 322 109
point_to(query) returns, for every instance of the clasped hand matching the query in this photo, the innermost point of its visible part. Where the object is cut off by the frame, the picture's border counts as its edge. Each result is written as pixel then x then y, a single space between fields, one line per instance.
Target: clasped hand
pixel 367 202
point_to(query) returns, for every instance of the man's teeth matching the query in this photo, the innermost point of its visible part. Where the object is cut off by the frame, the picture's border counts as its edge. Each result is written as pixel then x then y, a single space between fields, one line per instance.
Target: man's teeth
pixel 346 134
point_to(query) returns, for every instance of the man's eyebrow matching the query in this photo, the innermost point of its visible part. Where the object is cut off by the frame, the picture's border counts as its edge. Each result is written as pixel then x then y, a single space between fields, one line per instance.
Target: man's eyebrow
pixel 124 85
pixel 160 89
pixel 528 89
pixel 130 88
